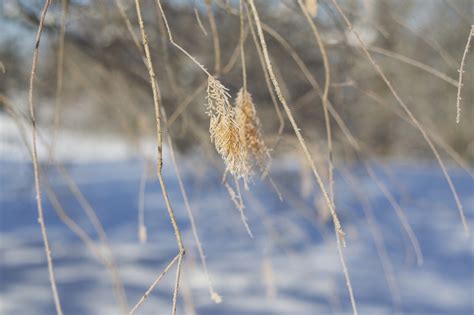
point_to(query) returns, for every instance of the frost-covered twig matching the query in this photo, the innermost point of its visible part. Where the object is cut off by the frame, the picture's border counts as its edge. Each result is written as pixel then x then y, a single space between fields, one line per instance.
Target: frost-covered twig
pixel 461 71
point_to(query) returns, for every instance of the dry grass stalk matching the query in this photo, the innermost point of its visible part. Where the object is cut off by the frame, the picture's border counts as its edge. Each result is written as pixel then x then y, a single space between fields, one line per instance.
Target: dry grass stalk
pixel 327 84
pixel 223 128
pixel 337 224
pixel 377 236
pixel 198 19
pixel 39 201
pixel 170 73
pixel 276 86
pixel 351 139
pixel 269 87
pixel 250 132
pixel 215 37
pixel 214 295
pixel 154 86
pixel 234 56
pixel 409 113
pixel 156 99
pixel 154 284
pixel 192 96
pixel 177 259
pixel 344 128
pixel 225 131
pixel 59 79
pixel 430 41
pixel 399 212
pixel 181 107
pixel 242 45
pixel 170 35
pixel 98 227
pixel 142 230
pixel 461 72
pixel 105 257
pixel 414 63
pixel 236 198
pixel 436 138
pixel 307 73
pixel 270 239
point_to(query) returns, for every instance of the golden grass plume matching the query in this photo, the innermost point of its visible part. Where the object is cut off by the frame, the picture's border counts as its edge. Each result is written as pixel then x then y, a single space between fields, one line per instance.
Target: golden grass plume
pixel 251 132
pixel 225 131
pixel 236 131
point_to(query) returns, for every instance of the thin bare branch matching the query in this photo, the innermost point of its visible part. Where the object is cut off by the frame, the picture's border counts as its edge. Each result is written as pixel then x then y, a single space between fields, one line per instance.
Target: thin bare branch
pixel 337 224
pixel 39 199
pixel 410 115
pixel 461 72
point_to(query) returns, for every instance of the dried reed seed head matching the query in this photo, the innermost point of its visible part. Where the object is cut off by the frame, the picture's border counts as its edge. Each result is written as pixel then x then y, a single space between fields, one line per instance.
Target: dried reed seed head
pixel 224 130
pixel 217 97
pixel 226 138
pixel 250 130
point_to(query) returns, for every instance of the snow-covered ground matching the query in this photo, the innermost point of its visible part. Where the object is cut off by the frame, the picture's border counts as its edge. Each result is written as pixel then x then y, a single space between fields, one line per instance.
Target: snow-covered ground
pixel 290 267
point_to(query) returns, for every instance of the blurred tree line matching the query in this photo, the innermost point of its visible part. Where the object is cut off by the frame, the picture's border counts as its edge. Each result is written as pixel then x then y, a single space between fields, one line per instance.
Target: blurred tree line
pixel 106 89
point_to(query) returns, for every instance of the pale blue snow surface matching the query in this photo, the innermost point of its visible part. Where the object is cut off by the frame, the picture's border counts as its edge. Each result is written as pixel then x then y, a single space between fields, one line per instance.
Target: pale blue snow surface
pixel 307 277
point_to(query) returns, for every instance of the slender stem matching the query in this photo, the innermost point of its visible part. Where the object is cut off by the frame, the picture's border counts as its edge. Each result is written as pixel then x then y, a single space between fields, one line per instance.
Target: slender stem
pixel 399 212
pixel 214 295
pixel 151 73
pixel 415 121
pixel 158 2
pixel 154 284
pixel 104 257
pixel 461 72
pixel 242 48
pixel 414 63
pixel 215 38
pixel 327 84
pixel 39 201
pixel 198 18
pixel 337 224
pixel 351 139
pixel 156 98
pixel 176 283
pixel 59 79
pixel 268 83
pixel 377 235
